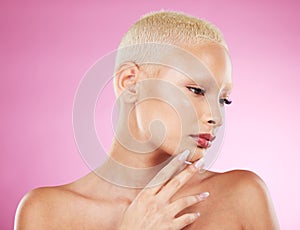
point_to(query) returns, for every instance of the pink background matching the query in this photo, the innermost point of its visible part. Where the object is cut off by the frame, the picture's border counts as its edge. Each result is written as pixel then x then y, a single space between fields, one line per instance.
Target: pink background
pixel 46 47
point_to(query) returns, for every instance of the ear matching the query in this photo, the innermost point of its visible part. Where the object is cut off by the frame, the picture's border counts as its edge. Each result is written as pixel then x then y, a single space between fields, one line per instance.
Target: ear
pixel 126 77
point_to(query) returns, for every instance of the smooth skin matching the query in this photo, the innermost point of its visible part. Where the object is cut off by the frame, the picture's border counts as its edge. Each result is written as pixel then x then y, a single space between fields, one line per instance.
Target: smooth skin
pixel 237 199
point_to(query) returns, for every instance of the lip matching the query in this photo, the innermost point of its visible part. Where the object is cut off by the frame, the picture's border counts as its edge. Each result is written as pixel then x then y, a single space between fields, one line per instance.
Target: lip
pixel 203 139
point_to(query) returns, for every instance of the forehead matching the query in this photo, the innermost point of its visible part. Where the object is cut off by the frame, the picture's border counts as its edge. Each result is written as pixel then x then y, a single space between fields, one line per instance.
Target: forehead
pixel 208 62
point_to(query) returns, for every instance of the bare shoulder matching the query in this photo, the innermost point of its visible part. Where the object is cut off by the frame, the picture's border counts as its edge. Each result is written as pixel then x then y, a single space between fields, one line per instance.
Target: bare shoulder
pixel 55 203
pixel 250 195
pixel 247 184
pixel 241 180
pixel 39 205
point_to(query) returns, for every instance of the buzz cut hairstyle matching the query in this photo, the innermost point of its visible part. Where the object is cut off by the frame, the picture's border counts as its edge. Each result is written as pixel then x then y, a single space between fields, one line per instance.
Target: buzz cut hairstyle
pixel 164 27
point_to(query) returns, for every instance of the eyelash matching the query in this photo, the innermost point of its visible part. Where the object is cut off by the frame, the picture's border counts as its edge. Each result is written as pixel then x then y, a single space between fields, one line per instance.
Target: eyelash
pixel 225 101
pixel 199 91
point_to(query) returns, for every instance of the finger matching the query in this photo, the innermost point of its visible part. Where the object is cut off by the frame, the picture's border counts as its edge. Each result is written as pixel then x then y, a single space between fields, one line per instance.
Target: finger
pixel 167 172
pixel 182 203
pixel 169 189
pixel 186 219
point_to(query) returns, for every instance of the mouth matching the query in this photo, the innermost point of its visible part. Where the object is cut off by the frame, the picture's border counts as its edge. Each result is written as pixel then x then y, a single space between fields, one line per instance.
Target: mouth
pixel 203 140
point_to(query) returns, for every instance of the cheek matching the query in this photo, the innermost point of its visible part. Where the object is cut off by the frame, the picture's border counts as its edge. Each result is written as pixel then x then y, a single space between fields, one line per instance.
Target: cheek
pixel 205 105
pixel 200 106
pixel 158 111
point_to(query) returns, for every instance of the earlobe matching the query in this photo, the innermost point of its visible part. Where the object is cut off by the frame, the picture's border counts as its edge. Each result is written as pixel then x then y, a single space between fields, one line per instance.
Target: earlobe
pixel 132 89
pixel 125 82
pixel 130 94
pixel 126 76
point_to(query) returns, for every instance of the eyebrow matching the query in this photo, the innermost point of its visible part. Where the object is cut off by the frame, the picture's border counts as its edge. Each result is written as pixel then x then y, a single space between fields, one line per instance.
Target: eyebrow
pixel 202 79
pixel 226 90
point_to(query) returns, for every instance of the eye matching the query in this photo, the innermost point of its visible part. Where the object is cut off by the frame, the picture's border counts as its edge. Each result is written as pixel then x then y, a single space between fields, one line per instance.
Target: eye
pixel 225 101
pixel 197 91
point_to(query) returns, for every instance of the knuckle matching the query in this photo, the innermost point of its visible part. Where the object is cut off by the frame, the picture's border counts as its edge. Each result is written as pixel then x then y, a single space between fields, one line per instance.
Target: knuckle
pixel 164 212
pixel 192 200
pixel 155 207
pixel 189 200
pixel 196 199
pixel 169 227
pixel 176 183
pixel 191 169
pixel 143 196
pixel 185 203
pixel 163 176
pixel 189 219
pixel 175 163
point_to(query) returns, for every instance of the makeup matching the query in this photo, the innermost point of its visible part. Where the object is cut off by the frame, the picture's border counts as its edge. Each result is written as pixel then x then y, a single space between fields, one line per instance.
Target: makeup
pixel 203 140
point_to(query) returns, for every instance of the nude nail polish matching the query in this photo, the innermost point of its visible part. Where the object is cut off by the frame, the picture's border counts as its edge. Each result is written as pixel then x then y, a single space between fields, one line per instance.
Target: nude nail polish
pixel 203 195
pixel 200 163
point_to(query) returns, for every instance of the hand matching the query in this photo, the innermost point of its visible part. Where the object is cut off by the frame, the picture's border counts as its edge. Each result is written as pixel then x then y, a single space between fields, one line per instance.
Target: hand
pixel 153 209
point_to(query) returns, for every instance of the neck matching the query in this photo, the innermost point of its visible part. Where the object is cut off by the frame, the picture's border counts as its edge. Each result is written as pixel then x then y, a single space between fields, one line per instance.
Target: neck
pixel 130 169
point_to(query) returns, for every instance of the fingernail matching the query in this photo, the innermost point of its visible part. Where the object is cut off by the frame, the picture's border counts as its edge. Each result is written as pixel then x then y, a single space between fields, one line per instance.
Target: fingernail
pixel 197 214
pixel 200 163
pixel 183 156
pixel 203 196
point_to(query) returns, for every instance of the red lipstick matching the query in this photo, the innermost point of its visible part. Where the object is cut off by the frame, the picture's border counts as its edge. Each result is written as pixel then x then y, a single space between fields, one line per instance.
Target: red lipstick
pixel 203 139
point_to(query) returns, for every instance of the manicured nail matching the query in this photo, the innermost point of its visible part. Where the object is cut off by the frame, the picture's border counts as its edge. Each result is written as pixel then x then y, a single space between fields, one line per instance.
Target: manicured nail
pixel 203 196
pixel 200 163
pixel 183 156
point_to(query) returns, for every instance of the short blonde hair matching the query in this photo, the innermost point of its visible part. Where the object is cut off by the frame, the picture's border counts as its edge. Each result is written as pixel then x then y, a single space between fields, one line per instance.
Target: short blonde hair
pixel 164 27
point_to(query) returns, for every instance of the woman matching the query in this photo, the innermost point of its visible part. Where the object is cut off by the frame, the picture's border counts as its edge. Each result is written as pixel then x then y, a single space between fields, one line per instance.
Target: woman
pixel 173 79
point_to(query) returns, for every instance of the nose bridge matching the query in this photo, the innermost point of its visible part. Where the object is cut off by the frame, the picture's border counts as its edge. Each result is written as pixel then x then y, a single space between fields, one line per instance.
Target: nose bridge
pixel 213 113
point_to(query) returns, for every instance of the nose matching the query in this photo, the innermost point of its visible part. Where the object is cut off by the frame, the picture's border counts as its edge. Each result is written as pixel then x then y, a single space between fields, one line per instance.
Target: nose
pixel 213 116
pixel 215 122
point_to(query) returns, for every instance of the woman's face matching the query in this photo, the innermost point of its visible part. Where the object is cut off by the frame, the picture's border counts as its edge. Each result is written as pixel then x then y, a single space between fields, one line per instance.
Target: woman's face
pixel 187 98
